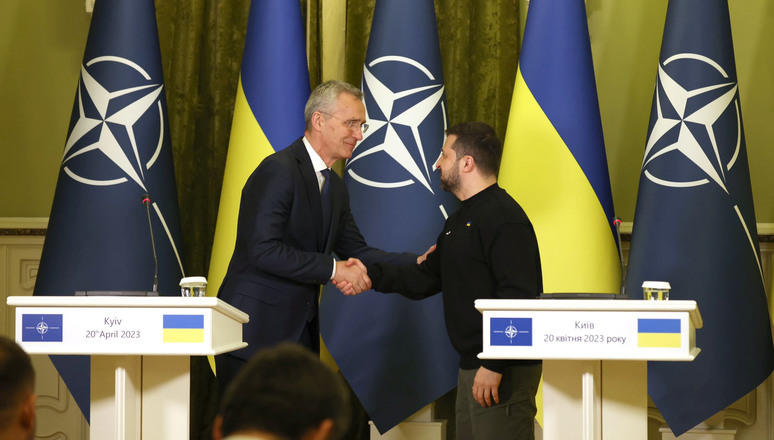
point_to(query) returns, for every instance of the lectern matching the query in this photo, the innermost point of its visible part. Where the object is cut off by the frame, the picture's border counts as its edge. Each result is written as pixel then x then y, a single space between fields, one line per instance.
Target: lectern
pixel 140 350
pixel 595 355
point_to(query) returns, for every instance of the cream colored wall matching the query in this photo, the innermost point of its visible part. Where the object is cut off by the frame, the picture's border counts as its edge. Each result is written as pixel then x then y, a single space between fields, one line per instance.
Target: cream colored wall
pixel 42 42
pixel 41 47
pixel 625 43
pixel 752 22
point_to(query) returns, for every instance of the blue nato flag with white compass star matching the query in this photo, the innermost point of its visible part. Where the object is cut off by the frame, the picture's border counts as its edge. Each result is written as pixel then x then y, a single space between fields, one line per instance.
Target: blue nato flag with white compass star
pixel 694 224
pixel 117 151
pixel 43 328
pixel 395 352
pixel 510 331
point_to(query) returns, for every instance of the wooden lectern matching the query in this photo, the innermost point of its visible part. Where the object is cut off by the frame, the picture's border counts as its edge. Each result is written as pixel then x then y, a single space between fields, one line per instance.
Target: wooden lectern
pixel 140 350
pixel 595 355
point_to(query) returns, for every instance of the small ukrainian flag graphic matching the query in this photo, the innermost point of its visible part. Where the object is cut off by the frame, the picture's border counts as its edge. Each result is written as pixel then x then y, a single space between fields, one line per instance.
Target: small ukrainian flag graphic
pixel 658 333
pixel 183 328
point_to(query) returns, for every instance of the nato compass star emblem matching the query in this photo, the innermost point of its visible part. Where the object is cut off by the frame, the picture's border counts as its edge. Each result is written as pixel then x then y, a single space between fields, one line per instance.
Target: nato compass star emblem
pixel 45 328
pixel 42 328
pixel 515 331
pixel 396 116
pixel 510 331
pixel 107 116
pixel 685 127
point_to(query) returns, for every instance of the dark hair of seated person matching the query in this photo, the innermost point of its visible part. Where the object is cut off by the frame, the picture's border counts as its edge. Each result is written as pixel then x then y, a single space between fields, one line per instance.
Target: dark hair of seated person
pixel 17 391
pixel 287 392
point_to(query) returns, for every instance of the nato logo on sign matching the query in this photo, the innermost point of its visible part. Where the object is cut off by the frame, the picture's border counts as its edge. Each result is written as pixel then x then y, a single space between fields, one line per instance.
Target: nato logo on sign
pixel 42 328
pixel 510 331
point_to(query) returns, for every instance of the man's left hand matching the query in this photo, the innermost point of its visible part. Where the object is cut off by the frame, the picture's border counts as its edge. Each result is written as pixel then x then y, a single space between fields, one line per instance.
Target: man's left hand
pixel 485 387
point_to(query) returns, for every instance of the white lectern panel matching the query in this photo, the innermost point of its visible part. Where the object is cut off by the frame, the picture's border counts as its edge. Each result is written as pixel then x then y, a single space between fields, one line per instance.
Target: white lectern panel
pixel 127 325
pixel 595 355
pixel 140 348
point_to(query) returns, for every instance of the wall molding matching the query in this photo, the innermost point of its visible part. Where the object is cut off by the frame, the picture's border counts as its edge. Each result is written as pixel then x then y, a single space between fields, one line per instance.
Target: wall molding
pixel 23 226
pixel 41 223
pixel 21 244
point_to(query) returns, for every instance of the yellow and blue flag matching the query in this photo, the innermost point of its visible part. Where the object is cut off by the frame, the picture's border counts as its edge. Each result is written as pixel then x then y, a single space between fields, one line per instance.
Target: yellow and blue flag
pixel 117 152
pixel 395 352
pixel 554 161
pixel 183 328
pixel 658 333
pixel 694 225
pixel 268 112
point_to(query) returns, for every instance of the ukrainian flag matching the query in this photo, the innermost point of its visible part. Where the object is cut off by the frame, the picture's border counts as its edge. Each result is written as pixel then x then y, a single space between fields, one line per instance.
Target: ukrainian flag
pixel 268 112
pixel 554 161
pixel 658 333
pixel 183 328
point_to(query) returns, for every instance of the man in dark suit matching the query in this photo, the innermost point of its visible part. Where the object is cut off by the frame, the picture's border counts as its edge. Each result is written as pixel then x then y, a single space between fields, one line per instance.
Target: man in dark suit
pixel 293 214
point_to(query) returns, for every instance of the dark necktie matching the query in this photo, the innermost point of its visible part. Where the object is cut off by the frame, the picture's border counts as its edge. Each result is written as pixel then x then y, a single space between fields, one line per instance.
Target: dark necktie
pixel 325 196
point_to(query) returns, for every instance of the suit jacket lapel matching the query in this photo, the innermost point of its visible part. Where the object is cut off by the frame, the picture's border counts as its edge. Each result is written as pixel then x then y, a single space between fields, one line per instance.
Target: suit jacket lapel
pixel 311 187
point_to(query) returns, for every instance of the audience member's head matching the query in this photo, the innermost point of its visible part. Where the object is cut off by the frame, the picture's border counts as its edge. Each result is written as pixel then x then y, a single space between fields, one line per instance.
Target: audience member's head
pixel 284 392
pixel 17 392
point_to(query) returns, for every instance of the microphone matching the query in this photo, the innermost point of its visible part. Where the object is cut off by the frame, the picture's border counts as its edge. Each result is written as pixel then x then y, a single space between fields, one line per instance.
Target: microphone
pixel 617 224
pixel 146 202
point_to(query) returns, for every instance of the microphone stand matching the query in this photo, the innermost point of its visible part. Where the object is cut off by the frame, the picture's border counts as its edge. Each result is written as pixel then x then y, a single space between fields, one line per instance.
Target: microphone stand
pixel 146 202
pixel 155 291
pixel 617 224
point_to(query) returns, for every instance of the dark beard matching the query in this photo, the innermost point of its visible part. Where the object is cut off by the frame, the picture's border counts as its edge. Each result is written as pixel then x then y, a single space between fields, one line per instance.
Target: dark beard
pixel 451 184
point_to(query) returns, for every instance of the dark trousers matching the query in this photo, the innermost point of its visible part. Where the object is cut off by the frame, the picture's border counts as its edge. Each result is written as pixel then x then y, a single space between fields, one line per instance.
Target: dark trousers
pixel 227 366
pixel 512 418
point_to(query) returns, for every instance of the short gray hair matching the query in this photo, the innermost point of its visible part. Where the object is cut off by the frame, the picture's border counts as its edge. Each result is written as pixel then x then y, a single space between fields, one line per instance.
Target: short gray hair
pixel 325 95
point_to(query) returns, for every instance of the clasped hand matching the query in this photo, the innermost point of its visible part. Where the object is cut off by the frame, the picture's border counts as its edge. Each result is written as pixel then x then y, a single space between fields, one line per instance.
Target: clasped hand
pixel 351 277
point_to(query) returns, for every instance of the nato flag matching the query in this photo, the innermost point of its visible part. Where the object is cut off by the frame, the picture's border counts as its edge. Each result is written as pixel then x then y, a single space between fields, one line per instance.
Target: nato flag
pixel 395 352
pixel 117 150
pixel 694 224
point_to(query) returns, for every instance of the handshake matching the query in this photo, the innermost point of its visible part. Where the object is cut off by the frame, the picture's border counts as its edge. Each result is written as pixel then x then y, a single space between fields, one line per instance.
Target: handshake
pixel 352 276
